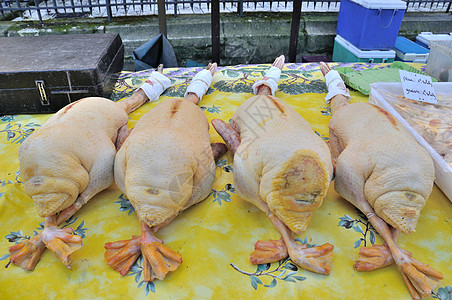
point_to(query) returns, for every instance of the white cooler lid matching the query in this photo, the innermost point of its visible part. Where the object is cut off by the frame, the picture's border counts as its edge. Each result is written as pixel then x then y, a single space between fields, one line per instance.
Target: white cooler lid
pixel 427 37
pixel 381 4
pixel 364 53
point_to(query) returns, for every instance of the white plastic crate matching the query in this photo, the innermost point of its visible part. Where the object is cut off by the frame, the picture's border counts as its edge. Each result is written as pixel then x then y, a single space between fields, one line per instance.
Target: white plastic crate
pixel 439 63
pixel 425 38
pixel 389 96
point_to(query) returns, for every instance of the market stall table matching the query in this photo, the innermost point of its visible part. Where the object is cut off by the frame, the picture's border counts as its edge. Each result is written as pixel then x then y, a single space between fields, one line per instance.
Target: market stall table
pixel 216 236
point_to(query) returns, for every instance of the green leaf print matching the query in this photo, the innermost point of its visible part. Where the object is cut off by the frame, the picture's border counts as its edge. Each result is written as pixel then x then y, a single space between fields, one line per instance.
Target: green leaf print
pixel 368 232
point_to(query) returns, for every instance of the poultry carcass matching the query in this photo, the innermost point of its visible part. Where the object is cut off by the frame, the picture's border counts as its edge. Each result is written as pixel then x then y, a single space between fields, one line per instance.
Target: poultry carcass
pixel 282 167
pixel 166 165
pixel 385 173
pixel 68 161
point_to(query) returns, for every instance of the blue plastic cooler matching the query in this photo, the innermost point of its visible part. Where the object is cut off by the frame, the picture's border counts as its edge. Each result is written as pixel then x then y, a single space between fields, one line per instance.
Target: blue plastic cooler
pixel 409 51
pixel 370 25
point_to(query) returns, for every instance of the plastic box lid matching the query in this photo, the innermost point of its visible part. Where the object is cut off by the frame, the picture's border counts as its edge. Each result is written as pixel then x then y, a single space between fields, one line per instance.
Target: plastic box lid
pixel 364 53
pixel 412 57
pixel 381 4
pixel 428 37
pixel 404 45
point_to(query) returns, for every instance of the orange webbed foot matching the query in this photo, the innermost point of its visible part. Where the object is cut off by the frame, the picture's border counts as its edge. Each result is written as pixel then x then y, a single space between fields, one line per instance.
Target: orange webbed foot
pixel 122 255
pixel 28 253
pixel 268 251
pixel 158 260
pixel 316 259
pixel 62 242
pixel 421 279
pixel 375 257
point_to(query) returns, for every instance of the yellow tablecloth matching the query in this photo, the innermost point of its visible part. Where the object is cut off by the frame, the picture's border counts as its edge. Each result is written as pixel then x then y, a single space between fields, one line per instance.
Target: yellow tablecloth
pixel 216 236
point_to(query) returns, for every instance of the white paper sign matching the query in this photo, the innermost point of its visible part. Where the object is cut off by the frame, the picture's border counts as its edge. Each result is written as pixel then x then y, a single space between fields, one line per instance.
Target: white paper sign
pixel 417 87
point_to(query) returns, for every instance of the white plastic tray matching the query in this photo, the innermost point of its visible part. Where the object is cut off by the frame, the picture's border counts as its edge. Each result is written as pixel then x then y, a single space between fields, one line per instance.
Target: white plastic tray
pixel 412 57
pixel 443 172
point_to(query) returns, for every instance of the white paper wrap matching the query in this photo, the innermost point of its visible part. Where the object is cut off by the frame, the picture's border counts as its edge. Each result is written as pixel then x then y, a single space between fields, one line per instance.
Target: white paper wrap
pixel 155 85
pixel 335 86
pixel 271 81
pixel 200 84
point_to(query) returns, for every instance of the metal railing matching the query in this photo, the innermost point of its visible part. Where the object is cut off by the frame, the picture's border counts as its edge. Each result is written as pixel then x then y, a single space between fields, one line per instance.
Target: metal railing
pixel 49 9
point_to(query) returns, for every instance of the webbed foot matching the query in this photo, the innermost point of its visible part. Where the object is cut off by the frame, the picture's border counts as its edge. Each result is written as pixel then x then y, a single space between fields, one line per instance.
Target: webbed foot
pixel 158 260
pixel 420 279
pixel 268 251
pixel 375 257
pixel 316 259
pixel 122 255
pixel 62 242
pixel 28 253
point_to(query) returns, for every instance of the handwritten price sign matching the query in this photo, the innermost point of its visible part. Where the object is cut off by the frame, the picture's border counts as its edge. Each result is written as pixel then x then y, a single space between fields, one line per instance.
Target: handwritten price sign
pixel 417 87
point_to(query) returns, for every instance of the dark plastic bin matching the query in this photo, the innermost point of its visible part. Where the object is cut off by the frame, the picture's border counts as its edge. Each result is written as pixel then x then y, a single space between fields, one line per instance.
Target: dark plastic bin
pixel 310 59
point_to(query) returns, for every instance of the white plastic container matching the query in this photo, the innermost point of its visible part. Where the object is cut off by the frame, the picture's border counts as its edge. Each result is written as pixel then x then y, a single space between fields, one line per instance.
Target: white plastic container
pixel 439 63
pixel 425 38
pixel 390 95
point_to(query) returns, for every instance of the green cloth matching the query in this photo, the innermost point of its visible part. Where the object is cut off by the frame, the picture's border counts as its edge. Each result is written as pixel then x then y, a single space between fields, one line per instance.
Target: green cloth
pixel 361 80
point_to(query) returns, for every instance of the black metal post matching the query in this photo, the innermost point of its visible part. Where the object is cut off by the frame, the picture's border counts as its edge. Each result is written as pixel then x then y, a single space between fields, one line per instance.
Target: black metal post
pixel 18 6
pixel 215 24
pixel 73 6
pixel 294 29
pixel 108 7
pixel 55 5
pixel 38 11
pixel 162 17
pixel 21 11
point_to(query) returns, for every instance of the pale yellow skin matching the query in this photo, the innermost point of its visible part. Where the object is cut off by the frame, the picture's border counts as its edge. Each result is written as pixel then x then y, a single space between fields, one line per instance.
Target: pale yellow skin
pixel 71 156
pixel 280 161
pixel 64 164
pixel 380 164
pixel 166 163
pixel 386 174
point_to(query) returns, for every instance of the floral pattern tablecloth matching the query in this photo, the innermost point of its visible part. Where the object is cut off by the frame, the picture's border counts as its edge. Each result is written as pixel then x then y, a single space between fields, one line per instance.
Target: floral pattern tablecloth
pixel 216 236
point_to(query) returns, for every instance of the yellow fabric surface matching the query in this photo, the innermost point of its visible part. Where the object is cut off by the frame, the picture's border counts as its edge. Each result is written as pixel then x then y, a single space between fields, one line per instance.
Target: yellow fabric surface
pixel 216 236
